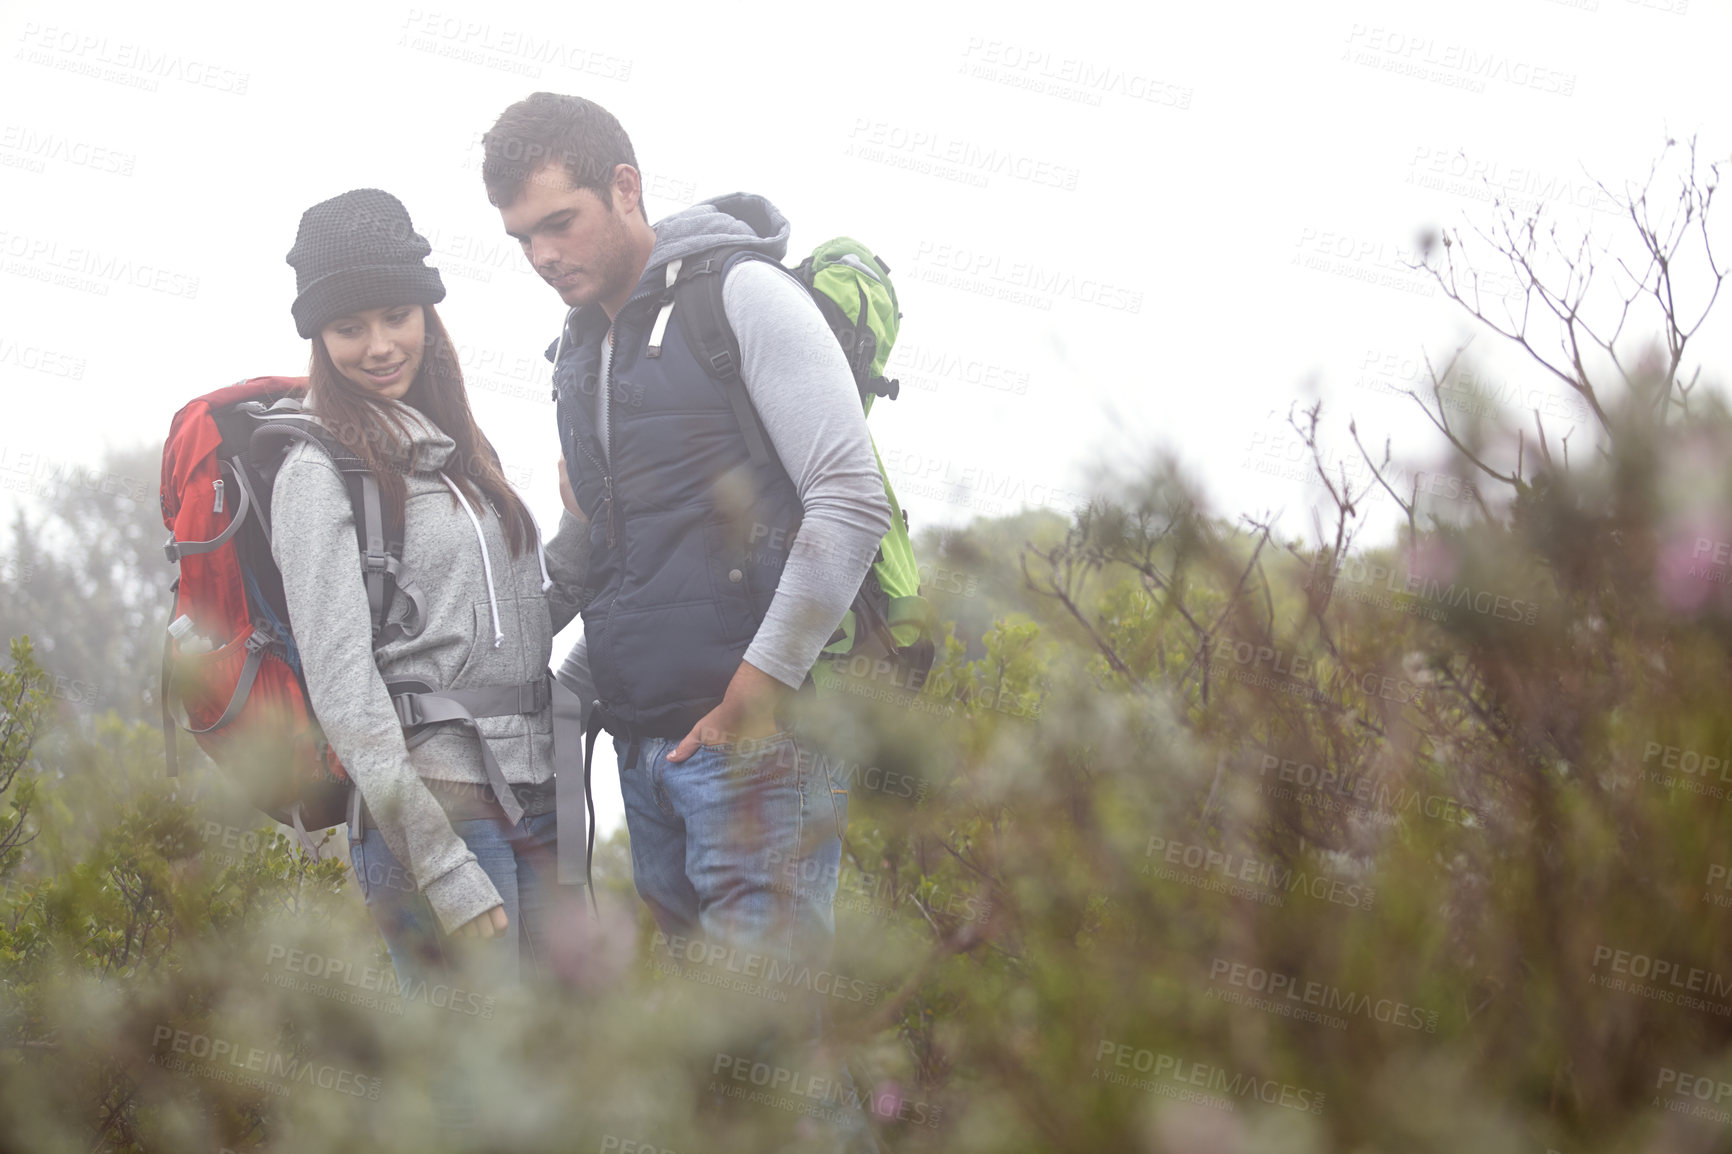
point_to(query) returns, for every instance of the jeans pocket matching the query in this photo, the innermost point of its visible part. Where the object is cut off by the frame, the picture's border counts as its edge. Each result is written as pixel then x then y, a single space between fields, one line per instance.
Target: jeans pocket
pixel 749 745
pixel 770 758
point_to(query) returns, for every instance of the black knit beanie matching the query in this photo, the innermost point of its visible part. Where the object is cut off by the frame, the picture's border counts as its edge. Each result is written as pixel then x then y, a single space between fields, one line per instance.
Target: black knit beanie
pixel 358 251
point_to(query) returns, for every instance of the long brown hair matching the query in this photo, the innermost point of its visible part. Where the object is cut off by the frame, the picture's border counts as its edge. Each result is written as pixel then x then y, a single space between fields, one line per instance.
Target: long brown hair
pixel 371 431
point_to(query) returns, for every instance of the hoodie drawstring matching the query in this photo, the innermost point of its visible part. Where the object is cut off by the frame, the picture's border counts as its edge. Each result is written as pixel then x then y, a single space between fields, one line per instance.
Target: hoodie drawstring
pixel 486 564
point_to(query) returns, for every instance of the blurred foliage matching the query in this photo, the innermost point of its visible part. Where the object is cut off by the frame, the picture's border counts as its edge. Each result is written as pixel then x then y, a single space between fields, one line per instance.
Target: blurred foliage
pixel 1198 838
pixel 85 576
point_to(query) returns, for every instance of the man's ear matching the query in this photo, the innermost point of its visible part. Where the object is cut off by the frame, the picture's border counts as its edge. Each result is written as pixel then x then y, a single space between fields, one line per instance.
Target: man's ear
pixel 627 189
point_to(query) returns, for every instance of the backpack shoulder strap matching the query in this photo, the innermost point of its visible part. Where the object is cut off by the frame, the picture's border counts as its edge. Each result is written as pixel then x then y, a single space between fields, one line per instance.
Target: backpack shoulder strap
pixel 697 294
pixel 378 535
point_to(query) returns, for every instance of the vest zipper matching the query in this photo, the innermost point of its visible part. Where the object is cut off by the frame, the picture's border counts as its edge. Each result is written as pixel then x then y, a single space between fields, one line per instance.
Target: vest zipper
pixel 606 486
pixel 607 477
pixel 607 418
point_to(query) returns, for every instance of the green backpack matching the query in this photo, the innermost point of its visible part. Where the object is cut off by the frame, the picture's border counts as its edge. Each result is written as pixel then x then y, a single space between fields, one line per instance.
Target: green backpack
pixel 889 628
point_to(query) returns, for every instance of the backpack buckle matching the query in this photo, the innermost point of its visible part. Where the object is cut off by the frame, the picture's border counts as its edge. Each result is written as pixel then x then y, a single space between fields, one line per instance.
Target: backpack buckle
pixel 376 562
pixel 171 550
pixel 408 707
pixel 723 363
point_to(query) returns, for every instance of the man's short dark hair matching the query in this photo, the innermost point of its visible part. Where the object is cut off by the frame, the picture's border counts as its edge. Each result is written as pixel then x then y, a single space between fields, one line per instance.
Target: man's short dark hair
pixel 548 128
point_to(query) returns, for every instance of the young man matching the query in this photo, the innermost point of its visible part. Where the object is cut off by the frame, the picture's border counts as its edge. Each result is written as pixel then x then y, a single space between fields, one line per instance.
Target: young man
pixel 715 581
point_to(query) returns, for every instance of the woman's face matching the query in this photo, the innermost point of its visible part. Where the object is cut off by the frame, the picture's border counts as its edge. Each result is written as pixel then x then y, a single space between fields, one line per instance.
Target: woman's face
pixel 378 349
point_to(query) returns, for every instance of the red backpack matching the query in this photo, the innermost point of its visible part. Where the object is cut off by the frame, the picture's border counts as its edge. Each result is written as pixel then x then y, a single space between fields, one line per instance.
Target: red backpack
pixel 230 659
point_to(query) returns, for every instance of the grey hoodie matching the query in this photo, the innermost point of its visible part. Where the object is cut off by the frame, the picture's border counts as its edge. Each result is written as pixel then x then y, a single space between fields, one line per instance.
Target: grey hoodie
pixel 488 621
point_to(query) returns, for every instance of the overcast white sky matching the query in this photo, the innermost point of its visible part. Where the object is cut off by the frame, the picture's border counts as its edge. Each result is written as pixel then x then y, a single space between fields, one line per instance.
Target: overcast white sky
pixel 1157 185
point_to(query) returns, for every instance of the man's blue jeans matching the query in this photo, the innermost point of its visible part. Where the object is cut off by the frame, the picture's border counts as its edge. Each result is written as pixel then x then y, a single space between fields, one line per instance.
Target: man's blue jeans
pixel 739 846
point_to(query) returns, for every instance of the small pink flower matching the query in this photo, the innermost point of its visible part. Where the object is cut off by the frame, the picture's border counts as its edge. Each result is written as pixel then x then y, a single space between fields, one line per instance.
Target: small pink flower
pixel 1433 560
pixel 1693 561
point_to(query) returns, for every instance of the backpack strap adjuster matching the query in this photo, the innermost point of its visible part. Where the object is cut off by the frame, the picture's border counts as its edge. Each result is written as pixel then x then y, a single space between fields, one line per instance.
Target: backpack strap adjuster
pixel 175 550
pixel 532 696
pixel 408 709
pixel 659 331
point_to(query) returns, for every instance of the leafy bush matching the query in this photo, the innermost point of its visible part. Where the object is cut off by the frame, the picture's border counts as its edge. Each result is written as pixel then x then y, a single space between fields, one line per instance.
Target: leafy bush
pixel 1197 838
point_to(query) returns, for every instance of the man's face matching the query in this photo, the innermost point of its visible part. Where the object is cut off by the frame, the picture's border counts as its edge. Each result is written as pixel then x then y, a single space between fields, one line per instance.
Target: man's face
pixel 574 239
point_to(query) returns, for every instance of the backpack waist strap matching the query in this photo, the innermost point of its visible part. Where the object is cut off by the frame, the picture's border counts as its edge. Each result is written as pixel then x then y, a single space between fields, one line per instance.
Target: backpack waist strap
pixel 419 706
pixel 464 801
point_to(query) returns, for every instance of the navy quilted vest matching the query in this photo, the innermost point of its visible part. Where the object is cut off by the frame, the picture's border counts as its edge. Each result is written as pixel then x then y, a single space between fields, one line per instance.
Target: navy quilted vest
pixel 698 535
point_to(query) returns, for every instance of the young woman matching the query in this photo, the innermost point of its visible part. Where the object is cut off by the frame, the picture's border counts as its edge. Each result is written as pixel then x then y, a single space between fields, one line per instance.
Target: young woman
pixel 436 848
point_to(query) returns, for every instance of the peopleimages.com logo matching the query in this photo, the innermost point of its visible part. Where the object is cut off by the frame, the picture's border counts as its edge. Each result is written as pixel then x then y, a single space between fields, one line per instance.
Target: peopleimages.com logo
pixel 88 269
pixel 1265 881
pixel 1074 78
pixel 375 987
pixel 521 51
pixel 1016 281
pixel 1172 1076
pixel 1292 996
pixel 1661 980
pixel 1368 795
pixel 223 1060
pixel 881 139
pixel 121 61
pixel 33 149
pixel 748 971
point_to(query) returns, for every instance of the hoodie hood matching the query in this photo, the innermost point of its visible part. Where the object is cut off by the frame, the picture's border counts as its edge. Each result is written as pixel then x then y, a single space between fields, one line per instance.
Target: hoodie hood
pixel 429 451
pixel 428 448
pixel 740 219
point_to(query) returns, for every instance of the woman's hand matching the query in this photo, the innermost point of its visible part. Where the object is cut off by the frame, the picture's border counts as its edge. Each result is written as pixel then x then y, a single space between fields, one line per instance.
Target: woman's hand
pixel 567 496
pixel 490 924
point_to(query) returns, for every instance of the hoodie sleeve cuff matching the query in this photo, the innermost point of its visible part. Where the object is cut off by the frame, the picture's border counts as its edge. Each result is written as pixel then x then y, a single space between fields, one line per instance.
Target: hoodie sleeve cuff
pixel 569 548
pixel 567 557
pixel 462 895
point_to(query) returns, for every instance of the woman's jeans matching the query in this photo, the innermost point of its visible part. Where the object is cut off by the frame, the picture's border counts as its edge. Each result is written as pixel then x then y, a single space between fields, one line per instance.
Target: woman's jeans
pixel 463 976
pixel 522 864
